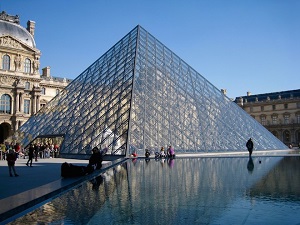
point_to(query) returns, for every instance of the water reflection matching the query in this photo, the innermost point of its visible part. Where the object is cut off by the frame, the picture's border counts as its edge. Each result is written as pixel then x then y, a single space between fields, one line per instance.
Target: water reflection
pixel 181 191
pixel 250 165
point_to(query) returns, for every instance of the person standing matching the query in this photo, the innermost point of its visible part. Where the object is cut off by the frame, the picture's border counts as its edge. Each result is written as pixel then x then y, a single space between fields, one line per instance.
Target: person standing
pixel 249 146
pixel 11 159
pixel 171 152
pixel 30 155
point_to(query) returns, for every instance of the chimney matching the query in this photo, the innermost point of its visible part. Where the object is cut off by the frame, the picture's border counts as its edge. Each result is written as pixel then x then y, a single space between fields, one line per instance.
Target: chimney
pixel 31 27
pixel 46 71
pixel 248 93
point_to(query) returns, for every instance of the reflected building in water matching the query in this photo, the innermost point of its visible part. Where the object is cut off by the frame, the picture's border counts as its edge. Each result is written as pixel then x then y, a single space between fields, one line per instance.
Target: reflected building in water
pixel 140 95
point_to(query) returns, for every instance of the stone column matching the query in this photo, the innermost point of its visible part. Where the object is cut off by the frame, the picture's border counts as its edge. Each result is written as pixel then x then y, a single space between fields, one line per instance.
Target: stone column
pixel 33 105
pixel 21 103
pixel 37 103
pixel 17 125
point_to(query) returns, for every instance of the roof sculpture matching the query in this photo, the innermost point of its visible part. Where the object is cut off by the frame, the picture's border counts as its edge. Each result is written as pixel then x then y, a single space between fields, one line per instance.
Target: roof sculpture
pixel 140 95
pixel 10 28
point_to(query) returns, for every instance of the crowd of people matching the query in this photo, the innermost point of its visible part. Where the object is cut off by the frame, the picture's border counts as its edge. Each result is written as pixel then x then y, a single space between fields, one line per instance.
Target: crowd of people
pixel 11 152
pixel 42 151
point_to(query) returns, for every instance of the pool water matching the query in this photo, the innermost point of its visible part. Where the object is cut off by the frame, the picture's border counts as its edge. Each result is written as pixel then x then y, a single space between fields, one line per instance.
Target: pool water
pixel 224 190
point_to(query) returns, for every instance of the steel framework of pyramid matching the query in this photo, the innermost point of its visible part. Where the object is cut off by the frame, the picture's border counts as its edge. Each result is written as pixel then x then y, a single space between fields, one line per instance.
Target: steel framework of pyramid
pixel 140 95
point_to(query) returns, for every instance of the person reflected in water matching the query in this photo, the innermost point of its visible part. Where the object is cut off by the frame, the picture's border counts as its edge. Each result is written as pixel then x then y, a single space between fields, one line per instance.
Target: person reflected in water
pixel 171 162
pixel 147 160
pixel 249 146
pixel 97 182
pixel 250 165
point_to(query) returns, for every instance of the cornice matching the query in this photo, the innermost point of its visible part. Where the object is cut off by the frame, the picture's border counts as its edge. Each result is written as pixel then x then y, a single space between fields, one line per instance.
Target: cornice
pixel 23 78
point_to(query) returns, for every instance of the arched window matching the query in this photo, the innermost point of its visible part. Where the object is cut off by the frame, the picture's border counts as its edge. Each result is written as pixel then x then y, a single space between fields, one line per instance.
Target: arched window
pixel 27 66
pixel 43 91
pixel 27 85
pixel 5 104
pixel 263 120
pixel 57 91
pixel 6 62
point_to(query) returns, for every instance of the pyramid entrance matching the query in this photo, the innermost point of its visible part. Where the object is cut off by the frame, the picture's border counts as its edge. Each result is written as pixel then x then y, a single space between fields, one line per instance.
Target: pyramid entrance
pixel 140 95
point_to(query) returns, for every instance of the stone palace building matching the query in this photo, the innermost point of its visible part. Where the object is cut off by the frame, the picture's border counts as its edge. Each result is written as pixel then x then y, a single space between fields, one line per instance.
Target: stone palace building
pixel 279 112
pixel 23 90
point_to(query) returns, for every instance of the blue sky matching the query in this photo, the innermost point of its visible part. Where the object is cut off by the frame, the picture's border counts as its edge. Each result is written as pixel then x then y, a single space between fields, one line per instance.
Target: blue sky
pixel 238 45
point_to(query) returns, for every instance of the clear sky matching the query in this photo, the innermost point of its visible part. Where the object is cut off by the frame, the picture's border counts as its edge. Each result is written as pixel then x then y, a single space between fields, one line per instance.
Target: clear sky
pixel 238 45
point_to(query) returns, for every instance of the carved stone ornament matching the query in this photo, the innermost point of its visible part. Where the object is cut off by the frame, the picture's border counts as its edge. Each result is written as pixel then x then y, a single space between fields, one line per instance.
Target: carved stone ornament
pixel 14 19
pixel 10 42
pixel 20 83
pixel 6 80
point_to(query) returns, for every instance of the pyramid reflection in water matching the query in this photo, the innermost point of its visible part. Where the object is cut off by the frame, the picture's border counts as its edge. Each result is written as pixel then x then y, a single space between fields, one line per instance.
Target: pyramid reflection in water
pixel 140 95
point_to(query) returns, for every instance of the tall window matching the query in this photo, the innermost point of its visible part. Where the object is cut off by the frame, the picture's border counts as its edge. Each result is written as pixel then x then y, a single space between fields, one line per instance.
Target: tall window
pixel 5 104
pixel 274 107
pixel 43 91
pixel 263 120
pixel 26 106
pixel 298 118
pixel 286 119
pixel 274 120
pixel 27 66
pixel 57 91
pixel 262 108
pixel 6 62
pixel 27 85
pixel 286 106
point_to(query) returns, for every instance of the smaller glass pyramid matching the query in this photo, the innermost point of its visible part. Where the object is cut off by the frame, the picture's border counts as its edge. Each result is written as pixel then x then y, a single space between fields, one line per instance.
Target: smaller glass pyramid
pixel 140 95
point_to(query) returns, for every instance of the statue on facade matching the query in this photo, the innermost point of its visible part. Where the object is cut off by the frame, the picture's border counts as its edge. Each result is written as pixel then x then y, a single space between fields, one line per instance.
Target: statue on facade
pixel 36 65
pixel 17 62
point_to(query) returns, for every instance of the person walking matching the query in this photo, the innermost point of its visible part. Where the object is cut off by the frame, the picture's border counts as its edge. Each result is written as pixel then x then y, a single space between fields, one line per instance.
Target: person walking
pixel 11 159
pixel 249 146
pixel 30 155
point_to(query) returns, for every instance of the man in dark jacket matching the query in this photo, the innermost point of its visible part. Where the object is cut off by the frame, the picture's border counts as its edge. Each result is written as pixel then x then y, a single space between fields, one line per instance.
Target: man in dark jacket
pixel 11 159
pixel 30 155
pixel 249 146
pixel 96 159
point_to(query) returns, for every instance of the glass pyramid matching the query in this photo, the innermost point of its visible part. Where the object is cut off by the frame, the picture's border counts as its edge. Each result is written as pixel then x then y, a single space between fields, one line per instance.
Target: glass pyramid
pixel 140 95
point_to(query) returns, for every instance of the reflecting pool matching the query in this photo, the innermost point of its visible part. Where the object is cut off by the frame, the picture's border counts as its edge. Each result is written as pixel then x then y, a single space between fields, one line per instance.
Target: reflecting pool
pixel 237 190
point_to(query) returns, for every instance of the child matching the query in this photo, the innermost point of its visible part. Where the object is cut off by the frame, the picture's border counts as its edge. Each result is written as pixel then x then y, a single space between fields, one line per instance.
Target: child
pixel 162 152
pixel 11 159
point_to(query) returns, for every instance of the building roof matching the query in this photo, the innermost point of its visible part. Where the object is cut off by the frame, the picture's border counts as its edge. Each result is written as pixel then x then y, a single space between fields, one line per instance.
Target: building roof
pixel 270 96
pixel 9 25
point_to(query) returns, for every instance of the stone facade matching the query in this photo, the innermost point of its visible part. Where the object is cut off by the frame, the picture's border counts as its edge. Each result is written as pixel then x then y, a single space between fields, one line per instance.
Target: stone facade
pixel 279 112
pixel 23 90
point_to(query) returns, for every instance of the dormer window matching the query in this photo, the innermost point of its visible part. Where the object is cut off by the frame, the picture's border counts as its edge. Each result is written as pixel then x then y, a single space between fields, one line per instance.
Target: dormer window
pixel 6 62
